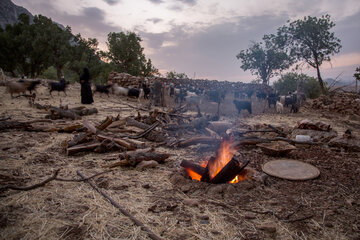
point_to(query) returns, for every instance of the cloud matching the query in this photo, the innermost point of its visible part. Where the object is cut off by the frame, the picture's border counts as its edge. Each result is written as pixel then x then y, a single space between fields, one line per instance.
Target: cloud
pixel 188 2
pixel 154 20
pixel 156 1
pixel 112 2
pixel 210 51
pixel 175 7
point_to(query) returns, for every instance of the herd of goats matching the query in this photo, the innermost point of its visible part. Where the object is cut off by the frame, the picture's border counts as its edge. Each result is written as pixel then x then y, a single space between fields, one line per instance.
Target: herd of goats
pixel 180 92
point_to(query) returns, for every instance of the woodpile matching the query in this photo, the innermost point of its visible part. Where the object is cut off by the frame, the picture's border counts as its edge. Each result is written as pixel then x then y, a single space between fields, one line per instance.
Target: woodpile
pixel 126 80
pixel 340 102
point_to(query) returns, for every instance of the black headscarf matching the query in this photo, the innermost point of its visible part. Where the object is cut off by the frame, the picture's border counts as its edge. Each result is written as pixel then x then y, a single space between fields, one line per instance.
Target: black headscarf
pixel 86 75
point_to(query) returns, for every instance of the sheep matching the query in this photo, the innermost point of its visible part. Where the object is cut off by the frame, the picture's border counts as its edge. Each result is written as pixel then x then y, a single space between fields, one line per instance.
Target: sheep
pixel 193 99
pixel 117 90
pixel 242 105
pixel 18 87
pixel 282 100
pixel 59 86
pixel 279 107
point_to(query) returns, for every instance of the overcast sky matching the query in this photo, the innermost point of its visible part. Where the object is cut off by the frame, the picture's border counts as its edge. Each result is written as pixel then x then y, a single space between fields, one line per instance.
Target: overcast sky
pixel 203 37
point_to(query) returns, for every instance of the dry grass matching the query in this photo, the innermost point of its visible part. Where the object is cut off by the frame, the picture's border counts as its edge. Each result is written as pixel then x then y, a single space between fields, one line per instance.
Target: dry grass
pixel 68 210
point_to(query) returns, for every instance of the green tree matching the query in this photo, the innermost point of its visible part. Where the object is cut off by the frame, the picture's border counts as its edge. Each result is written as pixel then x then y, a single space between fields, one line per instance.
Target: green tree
pixel 175 75
pixel 311 40
pixel 265 59
pixel 292 81
pixel 126 54
pixel 15 46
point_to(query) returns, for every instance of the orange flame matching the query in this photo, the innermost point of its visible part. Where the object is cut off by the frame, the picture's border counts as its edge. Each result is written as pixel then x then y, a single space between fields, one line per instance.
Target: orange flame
pixel 224 155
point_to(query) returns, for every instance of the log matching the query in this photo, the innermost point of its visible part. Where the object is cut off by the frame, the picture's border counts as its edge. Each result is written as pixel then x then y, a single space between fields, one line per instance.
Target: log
pixel 193 167
pixel 4 125
pixel 133 158
pixel 229 171
pixel 82 147
pixel 220 126
pixel 197 140
pixel 133 122
pixel 58 113
pixel 105 123
pixel 149 133
pixel 119 141
pixel 206 176
pixel 78 139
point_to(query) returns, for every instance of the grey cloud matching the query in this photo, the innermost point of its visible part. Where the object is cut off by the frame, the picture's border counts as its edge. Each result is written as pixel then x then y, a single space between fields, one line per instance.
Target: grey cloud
pixel 188 2
pixel 112 2
pixel 348 32
pixel 156 1
pixel 212 51
pixel 154 20
pixel 175 7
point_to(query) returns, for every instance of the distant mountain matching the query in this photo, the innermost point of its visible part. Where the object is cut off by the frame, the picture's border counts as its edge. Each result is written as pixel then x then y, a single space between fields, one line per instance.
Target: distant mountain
pixel 9 13
pixel 338 82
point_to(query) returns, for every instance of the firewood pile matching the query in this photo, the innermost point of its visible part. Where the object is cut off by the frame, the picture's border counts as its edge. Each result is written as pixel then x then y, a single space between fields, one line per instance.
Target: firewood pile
pixel 126 80
pixel 340 102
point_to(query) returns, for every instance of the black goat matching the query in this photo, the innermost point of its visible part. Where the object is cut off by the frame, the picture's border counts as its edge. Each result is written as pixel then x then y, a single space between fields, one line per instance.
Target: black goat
pixel 102 89
pixel 33 85
pixel 59 86
pixel 147 91
pixel 133 92
pixel 242 105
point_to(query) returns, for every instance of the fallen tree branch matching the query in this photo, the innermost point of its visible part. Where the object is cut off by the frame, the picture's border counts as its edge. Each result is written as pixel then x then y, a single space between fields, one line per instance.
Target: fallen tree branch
pixel 122 210
pixel 146 131
pixel 40 184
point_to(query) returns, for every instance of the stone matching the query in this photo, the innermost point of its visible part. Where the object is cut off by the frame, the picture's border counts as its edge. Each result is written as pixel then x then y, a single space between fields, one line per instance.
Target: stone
pixel 268 227
pixel 191 202
pixel 147 164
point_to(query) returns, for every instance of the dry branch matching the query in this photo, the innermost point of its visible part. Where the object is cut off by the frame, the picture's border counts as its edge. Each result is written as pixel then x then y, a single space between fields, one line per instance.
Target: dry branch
pixel 13 187
pixel 123 211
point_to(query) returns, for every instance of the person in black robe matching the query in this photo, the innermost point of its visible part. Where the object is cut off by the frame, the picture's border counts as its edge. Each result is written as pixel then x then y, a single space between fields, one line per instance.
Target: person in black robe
pixel 86 93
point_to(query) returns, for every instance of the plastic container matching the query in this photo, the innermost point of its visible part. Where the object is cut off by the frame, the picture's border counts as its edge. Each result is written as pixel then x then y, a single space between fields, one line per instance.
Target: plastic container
pixel 303 138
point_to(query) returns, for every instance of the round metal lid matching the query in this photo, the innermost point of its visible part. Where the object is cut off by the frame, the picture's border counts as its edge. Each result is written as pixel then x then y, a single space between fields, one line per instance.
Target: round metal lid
pixel 291 169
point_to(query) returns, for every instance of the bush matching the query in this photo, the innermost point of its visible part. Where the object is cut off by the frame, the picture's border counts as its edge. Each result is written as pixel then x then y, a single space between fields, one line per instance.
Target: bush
pixel 290 82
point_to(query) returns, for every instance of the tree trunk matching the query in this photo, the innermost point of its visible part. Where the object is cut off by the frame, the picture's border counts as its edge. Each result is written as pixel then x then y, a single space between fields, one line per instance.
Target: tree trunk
pixel 58 72
pixel 320 79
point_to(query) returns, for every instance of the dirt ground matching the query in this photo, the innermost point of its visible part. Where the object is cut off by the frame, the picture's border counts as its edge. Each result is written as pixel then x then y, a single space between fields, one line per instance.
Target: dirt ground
pixel 163 198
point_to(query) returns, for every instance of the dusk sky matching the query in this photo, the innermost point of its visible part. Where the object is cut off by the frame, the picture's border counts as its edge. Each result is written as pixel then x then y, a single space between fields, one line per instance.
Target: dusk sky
pixel 203 37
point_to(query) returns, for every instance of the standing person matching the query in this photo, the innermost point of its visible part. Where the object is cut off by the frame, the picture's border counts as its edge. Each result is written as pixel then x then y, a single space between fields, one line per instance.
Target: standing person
pixel 86 94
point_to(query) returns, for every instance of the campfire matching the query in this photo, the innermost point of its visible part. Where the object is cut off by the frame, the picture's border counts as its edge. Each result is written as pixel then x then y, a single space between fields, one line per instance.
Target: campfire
pixel 225 167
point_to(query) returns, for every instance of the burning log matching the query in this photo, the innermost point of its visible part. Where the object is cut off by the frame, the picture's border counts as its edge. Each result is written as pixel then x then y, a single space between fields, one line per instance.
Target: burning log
pixel 193 167
pixel 229 172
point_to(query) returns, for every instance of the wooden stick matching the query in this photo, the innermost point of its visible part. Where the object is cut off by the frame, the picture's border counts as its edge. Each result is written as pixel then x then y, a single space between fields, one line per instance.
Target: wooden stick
pixel 40 184
pixel 122 210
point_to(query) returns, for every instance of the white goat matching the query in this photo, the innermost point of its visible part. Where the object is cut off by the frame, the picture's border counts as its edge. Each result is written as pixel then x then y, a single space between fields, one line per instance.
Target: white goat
pixel 279 107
